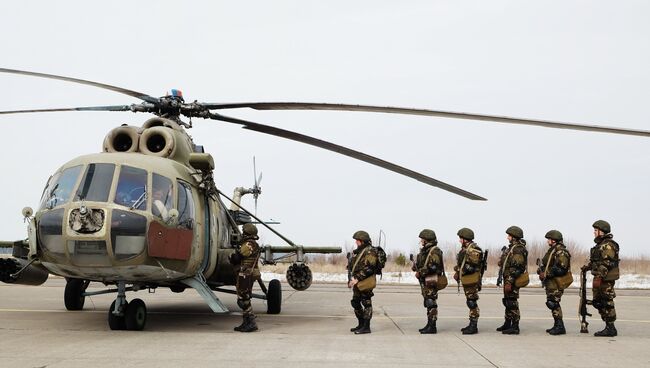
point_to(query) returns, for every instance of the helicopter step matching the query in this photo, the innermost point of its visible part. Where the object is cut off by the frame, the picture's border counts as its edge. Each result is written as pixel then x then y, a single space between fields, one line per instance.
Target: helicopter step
pixel 204 290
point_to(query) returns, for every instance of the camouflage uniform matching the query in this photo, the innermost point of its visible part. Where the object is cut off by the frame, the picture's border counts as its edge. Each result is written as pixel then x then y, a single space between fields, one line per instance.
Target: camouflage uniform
pixel 468 263
pixel 555 263
pixel 513 263
pixel 362 266
pixel 603 261
pixel 246 260
pixel 429 263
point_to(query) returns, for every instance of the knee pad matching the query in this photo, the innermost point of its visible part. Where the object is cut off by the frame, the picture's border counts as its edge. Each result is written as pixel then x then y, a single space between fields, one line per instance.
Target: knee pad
pixel 356 303
pixel 430 303
pixel 366 303
pixel 243 303
pixel 472 304
pixel 550 304
pixel 598 304
pixel 511 304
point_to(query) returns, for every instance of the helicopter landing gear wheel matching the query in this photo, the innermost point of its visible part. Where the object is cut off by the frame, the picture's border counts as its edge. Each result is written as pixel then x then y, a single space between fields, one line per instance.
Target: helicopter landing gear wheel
pixel 135 316
pixel 116 322
pixel 73 294
pixel 274 297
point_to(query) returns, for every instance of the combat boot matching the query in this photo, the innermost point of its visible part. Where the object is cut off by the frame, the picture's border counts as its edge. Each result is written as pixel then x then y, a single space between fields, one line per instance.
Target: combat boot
pixel 365 329
pixel 558 328
pixel 608 331
pixel 250 326
pixel 472 328
pixel 360 320
pixel 513 330
pixel 244 322
pixel 506 325
pixel 430 328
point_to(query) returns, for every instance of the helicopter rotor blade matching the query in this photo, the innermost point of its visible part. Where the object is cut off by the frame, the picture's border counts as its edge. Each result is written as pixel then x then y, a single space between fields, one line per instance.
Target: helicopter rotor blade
pixel 89 108
pixel 423 112
pixel 138 95
pixel 347 152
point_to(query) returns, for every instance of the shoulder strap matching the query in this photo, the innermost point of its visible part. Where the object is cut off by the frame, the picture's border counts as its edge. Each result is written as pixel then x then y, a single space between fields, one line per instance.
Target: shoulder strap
pixel 462 265
pixel 356 261
pixel 548 262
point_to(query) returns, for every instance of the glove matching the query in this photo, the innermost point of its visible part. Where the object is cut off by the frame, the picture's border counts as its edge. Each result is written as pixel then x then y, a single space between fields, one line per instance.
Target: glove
pixel 507 288
pixel 234 259
pixel 597 282
pixel 542 276
pixel 456 276
pixel 417 275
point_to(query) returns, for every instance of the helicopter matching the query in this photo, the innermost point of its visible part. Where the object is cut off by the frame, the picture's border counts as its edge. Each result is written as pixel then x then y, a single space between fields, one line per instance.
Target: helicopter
pixel 146 213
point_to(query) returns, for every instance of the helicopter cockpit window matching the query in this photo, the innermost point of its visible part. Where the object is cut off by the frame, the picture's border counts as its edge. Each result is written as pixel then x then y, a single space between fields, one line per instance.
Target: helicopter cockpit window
pixel 59 189
pixel 161 196
pixel 185 206
pixel 132 188
pixel 96 183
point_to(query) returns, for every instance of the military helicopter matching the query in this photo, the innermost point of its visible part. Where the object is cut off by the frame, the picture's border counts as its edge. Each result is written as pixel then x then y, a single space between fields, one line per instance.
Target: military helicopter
pixel 146 213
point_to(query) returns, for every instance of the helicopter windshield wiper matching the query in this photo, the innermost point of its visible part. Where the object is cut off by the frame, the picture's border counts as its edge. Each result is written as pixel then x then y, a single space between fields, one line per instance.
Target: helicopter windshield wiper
pixel 140 199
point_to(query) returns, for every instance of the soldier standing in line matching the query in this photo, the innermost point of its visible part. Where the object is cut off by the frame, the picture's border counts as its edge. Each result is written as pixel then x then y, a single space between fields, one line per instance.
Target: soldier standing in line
pixel 603 263
pixel 555 273
pixel 469 262
pixel 513 264
pixel 428 266
pixel 362 268
pixel 246 261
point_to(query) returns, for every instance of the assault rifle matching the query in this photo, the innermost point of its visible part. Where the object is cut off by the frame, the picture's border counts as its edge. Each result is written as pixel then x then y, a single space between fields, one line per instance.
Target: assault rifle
pixel 483 269
pixel 500 276
pixel 349 266
pixel 582 307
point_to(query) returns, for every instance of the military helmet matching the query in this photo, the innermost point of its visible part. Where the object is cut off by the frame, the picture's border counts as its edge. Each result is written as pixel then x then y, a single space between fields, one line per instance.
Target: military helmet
pixel 515 232
pixel 361 235
pixel 603 226
pixel 249 229
pixel 554 235
pixel 466 233
pixel 428 234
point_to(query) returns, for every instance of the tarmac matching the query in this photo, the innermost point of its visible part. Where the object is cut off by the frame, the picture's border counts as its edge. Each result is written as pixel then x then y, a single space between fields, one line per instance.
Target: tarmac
pixel 312 331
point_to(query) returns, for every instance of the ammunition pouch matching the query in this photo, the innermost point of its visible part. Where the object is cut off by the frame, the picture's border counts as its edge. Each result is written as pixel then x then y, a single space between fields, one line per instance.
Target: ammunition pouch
pixel 367 284
pixel 471 279
pixel 522 280
pixel 438 282
pixel 612 275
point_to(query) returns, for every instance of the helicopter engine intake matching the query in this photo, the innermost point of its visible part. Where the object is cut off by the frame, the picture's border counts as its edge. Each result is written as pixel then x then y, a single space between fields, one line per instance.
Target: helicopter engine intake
pixel 122 139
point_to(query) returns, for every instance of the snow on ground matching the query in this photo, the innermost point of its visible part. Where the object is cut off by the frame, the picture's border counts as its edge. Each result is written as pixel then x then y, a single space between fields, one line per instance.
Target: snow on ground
pixel 628 281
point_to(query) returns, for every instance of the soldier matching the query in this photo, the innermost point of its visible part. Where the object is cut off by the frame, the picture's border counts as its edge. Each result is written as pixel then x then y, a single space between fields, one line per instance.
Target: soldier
pixel 246 261
pixel 603 263
pixel 555 273
pixel 429 263
pixel 469 262
pixel 513 263
pixel 362 268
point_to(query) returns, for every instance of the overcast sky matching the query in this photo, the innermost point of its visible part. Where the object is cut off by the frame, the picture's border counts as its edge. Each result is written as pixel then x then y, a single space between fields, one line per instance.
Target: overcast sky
pixel 574 61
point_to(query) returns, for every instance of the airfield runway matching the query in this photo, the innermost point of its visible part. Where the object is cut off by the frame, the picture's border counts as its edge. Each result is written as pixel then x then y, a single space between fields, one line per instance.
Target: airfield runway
pixel 312 331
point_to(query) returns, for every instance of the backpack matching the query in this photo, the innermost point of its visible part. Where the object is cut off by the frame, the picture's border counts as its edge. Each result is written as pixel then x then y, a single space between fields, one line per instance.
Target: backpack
pixel 381 259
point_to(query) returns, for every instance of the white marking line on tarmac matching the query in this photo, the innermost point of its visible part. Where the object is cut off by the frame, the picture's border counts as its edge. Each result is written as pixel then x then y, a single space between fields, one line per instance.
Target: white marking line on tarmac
pixel 286 315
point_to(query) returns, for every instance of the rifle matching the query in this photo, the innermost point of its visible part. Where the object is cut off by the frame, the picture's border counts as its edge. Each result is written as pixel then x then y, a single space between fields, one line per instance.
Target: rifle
pixel 483 269
pixel 500 276
pixel 582 306
pixel 349 267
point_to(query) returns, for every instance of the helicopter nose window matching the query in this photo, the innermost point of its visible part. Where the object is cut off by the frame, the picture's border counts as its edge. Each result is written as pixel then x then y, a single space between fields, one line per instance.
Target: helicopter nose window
pixel 132 188
pixel 96 183
pixel 185 206
pixel 50 232
pixel 161 196
pixel 59 189
pixel 127 234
